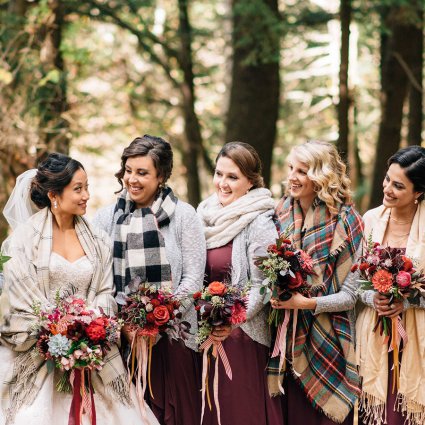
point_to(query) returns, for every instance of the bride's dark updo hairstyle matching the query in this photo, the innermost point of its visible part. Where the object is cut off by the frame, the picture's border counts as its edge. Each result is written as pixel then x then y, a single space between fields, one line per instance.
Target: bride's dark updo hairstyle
pixel 53 175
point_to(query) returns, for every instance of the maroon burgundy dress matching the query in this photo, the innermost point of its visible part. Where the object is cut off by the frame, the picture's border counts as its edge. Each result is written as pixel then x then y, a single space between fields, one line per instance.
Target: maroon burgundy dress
pixel 299 411
pixel 176 384
pixel 244 399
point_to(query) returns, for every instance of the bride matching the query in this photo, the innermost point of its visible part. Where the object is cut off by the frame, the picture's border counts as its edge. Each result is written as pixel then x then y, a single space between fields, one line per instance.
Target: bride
pixel 55 249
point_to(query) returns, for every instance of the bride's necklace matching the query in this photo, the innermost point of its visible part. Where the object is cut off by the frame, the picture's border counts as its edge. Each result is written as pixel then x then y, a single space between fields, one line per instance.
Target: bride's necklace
pixel 397 221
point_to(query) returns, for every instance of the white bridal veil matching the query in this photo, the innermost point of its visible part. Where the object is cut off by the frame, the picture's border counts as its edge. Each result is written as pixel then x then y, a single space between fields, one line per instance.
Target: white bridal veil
pixel 19 207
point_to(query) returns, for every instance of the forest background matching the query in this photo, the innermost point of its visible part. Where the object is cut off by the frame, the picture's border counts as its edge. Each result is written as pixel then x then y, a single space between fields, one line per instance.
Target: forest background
pixel 86 77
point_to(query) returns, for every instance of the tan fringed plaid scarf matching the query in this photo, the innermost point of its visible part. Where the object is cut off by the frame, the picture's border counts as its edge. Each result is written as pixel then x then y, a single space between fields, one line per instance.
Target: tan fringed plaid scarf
pixel 26 282
pixel 373 354
pixel 324 358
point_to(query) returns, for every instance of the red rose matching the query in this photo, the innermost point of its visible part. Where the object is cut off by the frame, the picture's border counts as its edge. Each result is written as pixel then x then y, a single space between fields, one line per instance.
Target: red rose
pixel 96 330
pixel 295 282
pixel 289 254
pixel 170 308
pixel 407 263
pixel 217 288
pixel 197 295
pixel 155 302
pixel 150 318
pixel 197 307
pixel 354 268
pixel 287 241
pixel 363 266
pixel 272 248
pixel 162 315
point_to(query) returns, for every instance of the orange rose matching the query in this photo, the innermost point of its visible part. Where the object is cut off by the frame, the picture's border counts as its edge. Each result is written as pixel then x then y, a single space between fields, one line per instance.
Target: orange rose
pixel 217 288
pixel 162 315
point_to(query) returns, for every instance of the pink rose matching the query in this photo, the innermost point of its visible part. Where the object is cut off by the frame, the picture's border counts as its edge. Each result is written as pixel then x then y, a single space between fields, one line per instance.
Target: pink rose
pixel 403 279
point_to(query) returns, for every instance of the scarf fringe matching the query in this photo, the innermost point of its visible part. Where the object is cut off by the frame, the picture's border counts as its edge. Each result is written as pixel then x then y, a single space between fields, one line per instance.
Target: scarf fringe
pixel 372 410
pixel 23 390
pixel 414 411
pixel 120 387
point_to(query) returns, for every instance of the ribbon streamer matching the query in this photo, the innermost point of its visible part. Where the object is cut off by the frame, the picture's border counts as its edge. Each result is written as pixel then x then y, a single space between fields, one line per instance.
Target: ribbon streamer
pixel 82 400
pixel 221 354
pixel 141 354
pixel 280 345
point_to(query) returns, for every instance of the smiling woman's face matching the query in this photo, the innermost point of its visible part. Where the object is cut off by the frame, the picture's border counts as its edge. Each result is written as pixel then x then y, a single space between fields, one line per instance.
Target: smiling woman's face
pixel 398 189
pixel 300 185
pixel 73 199
pixel 141 180
pixel 230 184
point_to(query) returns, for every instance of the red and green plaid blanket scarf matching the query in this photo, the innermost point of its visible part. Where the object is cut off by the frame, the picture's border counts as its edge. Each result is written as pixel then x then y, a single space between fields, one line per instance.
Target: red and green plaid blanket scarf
pixel 324 357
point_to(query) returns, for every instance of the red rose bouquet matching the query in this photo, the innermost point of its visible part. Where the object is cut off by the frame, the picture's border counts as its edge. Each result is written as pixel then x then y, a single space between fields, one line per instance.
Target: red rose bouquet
pixel 388 271
pixel 217 305
pixel 75 339
pixel 148 311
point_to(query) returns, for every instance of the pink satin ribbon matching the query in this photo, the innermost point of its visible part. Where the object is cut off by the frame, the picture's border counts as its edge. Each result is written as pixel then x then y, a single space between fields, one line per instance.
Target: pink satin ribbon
pixel 280 343
pixel 141 346
pixel 221 354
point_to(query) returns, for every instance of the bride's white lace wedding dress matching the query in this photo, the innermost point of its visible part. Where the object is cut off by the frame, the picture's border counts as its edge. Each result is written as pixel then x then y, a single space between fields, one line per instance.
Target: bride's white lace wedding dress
pixel 50 406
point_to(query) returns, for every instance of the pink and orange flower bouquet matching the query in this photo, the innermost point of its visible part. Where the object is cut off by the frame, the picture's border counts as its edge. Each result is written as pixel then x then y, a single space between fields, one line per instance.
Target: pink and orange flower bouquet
pixel 75 339
pixel 219 304
pixel 391 273
pixel 148 311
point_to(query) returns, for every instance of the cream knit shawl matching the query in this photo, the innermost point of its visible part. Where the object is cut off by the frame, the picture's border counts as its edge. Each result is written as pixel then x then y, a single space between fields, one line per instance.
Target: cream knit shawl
pixel 222 224
pixel 372 353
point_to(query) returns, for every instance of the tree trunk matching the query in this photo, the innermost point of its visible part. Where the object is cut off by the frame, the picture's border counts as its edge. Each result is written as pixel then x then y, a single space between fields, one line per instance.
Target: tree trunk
pixel 344 94
pixel 191 122
pixel 51 96
pixel 393 95
pixel 254 95
pixel 414 136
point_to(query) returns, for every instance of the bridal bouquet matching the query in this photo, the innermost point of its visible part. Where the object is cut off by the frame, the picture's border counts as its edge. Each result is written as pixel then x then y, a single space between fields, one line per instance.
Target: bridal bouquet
pixel 219 304
pixel 148 311
pixel 75 339
pixel 391 273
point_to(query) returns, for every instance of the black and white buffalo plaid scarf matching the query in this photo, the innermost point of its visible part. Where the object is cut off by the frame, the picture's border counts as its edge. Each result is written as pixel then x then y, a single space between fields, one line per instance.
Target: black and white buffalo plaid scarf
pixel 139 248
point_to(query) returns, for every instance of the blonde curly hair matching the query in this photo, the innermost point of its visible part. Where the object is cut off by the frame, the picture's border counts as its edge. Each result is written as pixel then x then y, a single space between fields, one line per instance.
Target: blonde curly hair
pixel 327 171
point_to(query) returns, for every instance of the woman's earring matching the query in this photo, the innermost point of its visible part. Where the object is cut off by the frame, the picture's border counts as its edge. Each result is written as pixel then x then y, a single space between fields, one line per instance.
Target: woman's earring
pixel 416 201
pixel 55 204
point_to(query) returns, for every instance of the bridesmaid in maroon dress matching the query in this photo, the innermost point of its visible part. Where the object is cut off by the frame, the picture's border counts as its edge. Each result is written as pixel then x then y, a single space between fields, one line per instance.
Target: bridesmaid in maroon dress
pixel 237 220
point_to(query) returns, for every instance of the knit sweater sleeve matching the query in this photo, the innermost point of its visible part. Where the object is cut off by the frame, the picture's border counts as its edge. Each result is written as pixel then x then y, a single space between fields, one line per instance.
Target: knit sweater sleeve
pixel 103 219
pixel 262 233
pixel 343 300
pixel 193 249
